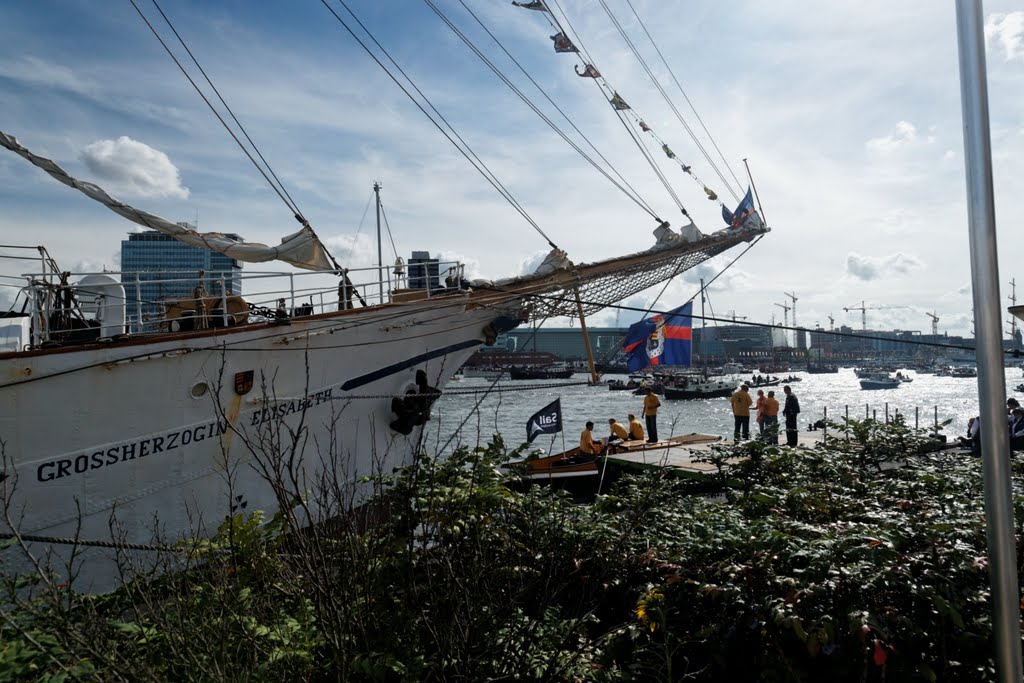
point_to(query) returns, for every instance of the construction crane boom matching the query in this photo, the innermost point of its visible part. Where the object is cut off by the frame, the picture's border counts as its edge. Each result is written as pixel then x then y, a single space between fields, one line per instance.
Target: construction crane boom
pixel 935 323
pixel 785 319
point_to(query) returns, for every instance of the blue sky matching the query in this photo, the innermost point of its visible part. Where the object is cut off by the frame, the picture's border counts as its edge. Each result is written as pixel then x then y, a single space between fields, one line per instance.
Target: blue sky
pixel 848 112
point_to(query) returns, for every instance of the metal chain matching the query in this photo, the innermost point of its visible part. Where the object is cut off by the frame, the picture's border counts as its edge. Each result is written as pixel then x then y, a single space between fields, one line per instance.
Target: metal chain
pixel 29 538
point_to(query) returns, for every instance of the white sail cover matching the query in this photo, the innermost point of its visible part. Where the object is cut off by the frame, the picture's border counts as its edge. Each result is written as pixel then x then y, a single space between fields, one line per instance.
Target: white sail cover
pixel 301 249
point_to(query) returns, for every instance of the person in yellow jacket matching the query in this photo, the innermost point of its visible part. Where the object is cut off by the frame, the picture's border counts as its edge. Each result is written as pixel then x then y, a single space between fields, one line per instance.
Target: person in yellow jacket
pixel 741 402
pixel 651 405
pixel 636 430
pixel 618 432
pixel 587 444
pixel 771 419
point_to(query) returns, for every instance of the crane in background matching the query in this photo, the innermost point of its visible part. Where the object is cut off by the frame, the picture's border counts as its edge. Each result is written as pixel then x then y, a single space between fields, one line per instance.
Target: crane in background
pixel 785 319
pixel 863 314
pixel 1013 302
pixel 864 308
pixel 796 333
pixel 935 323
pixel 831 323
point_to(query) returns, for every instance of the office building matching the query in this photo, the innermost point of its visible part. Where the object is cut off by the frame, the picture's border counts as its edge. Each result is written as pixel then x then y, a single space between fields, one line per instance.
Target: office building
pixel 424 271
pixel 156 267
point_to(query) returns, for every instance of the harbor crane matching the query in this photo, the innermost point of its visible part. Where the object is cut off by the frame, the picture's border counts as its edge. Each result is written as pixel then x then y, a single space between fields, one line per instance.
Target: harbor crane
pixel 831 323
pixel 863 314
pixel 935 323
pixel 863 308
pixel 1013 302
pixel 796 332
pixel 785 319
pixel 793 308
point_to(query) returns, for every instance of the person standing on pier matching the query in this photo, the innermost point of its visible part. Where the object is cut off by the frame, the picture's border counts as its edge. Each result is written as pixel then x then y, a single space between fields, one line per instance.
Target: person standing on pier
pixel 651 405
pixel 636 430
pixel 759 406
pixel 791 410
pixel 741 402
pixel 771 419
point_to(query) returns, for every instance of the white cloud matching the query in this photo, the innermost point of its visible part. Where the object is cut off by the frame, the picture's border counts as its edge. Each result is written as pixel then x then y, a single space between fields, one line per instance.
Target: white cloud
pixel 1007 30
pixel 530 263
pixel 903 135
pixel 353 251
pixel 39 72
pixel 135 168
pixel 873 268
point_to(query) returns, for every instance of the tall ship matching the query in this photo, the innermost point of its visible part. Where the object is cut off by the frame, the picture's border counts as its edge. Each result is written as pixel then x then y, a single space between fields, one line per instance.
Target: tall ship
pixel 126 428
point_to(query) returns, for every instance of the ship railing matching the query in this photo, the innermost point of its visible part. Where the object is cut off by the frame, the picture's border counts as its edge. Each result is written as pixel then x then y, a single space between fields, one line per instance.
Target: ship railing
pixel 267 294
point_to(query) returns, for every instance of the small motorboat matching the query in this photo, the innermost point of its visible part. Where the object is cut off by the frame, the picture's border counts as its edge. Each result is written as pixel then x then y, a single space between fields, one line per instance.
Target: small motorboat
pixel 619 385
pixel 879 382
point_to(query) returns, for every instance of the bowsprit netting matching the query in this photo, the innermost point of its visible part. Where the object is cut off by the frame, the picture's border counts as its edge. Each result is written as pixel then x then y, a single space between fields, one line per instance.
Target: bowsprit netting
pixel 603 283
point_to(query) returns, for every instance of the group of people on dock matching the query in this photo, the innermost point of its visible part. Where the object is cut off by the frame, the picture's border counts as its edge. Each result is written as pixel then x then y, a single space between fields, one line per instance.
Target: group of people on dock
pixel 767 408
pixel 618 433
pixel 1014 421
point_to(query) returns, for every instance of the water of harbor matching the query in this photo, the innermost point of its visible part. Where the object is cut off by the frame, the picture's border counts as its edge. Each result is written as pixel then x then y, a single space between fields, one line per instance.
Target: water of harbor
pixel 510 404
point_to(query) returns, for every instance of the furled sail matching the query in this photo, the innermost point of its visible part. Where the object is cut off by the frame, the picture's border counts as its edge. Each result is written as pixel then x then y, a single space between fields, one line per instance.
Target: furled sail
pixel 301 249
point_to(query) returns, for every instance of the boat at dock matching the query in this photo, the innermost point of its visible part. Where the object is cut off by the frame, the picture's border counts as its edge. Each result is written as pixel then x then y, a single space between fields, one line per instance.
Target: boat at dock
pixel 572 463
pixel 152 409
pixel 159 416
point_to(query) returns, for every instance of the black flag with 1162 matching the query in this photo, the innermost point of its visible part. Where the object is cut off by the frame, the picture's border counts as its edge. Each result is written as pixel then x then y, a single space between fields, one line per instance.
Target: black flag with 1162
pixel 547 420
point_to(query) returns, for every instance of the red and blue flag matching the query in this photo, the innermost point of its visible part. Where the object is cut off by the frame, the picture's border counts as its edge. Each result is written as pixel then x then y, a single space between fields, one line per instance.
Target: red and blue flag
pixel 742 212
pixel 663 339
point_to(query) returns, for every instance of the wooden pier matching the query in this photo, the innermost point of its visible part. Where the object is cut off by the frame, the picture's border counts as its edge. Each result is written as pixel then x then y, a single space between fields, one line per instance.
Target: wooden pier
pixel 679 461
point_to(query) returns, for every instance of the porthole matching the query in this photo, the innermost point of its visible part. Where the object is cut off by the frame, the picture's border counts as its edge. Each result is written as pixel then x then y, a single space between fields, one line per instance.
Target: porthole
pixel 199 389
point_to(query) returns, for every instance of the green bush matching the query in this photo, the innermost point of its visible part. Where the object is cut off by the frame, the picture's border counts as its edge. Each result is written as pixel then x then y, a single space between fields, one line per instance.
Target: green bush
pixel 859 560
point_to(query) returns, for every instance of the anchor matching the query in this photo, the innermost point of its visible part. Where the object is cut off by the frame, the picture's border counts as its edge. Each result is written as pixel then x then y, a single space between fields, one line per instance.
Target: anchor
pixel 413 409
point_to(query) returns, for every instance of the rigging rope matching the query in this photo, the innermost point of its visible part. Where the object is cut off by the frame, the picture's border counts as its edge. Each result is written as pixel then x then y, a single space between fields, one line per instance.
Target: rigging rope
pixel 668 100
pixel 464 148
pixel 611 95
pixel 275 184
pixel 632 193
pixel 685 96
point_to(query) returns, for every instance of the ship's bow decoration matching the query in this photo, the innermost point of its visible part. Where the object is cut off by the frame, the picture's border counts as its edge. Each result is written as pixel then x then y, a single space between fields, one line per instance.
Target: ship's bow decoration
pixel 243 382
pixel 413 409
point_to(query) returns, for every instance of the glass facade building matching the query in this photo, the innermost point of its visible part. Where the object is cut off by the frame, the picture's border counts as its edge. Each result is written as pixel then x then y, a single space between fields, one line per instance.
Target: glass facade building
pixel 424 271
pixel 151 259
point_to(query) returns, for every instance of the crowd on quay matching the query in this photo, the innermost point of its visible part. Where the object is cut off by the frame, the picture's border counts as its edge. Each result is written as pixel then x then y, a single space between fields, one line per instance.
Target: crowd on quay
pixel 767 409
pixel 1014 422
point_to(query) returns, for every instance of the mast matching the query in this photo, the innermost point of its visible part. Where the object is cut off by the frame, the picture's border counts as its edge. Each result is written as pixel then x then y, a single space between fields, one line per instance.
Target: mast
pixel 703 333
pixel 380 256
pixel 586 338
pixel 995 451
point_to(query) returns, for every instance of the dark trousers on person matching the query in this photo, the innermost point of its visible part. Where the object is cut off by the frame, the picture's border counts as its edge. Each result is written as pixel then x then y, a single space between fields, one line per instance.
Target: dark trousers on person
pixel 652 427
pixel 771 429
pixel 742 427
pixel 791 430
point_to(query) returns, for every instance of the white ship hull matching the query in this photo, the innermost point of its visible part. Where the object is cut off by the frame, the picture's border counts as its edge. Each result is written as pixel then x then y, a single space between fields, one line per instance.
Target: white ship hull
pixel 127 430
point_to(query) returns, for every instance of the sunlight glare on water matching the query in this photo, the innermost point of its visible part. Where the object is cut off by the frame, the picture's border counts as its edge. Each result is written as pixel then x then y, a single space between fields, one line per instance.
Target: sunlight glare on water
pixel 954 398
